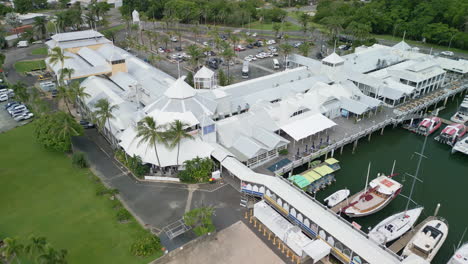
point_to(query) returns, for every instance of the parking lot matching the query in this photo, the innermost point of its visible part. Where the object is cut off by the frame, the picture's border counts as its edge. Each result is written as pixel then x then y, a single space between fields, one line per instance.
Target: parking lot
pixel 6 121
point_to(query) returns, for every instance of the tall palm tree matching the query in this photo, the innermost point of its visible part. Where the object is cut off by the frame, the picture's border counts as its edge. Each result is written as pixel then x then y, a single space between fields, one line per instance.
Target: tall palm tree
pixel 52 256
pixel 286 49
pixel 177 132
pixel 11 249
pixel 103 114
pixel 77 92
pixel 65 72
pixel 227 55
pixel 195 55
pixel 57 55
pixel 68 126
pixel 150 132
pixel 40 26
pixel 36 246
pixel 63 95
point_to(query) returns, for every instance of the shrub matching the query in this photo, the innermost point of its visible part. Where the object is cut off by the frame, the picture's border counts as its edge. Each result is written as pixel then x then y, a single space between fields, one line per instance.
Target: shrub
pixel 283 152
pixel 101 189
pixel 123 215
pixel 79 160
pixel 116 204
pixel 146 245
pixel 200 219
pixel 197 170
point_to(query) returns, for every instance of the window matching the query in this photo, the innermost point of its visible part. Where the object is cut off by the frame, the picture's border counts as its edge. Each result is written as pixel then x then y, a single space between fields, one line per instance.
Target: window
pixel 118 62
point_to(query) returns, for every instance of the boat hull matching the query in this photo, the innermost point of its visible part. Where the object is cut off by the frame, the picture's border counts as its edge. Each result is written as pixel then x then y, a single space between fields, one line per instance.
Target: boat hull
pixel 337 197
pixel 460 256
pixel 350 213
pixel 401 222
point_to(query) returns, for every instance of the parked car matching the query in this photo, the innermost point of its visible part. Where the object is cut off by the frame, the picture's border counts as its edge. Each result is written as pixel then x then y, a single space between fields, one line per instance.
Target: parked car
pixel 205 43
pixel 10 104
pixel 271 42
pixel 174 39
pixel 24 116
pixel 239 48
pixel 86 124
pixel 17 108
pixel 297 44
pixel 22 44
pixel 54 92
pixel 250 46
pixel 209 53
pixel 3 97
pixel 223 37
pixel 178 48
pixel 447 53
pixel 254 34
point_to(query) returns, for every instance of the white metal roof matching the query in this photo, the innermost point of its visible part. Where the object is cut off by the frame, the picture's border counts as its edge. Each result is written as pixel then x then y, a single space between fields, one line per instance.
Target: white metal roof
pixel 353 106
pixel 402 45
pixel 180 90
pixel 333 58
pixel 76 35
pixel 92 57
pixel 305 127
pixel 317 250
pixel 204 73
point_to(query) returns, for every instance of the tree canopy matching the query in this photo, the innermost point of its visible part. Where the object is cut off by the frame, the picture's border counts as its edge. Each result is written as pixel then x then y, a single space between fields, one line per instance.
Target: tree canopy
pixel 437 21
pixel 54 130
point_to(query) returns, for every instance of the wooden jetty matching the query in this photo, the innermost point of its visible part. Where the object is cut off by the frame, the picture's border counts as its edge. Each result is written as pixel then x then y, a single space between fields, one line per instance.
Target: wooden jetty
pixel 401 243
pixel 446 121
pixel 344 203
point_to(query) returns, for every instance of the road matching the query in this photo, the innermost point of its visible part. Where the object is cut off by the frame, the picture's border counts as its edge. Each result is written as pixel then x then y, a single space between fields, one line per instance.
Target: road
pixel 14 55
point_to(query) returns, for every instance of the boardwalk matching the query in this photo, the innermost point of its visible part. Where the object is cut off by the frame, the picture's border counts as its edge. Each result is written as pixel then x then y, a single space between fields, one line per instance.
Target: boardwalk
pixel 403 241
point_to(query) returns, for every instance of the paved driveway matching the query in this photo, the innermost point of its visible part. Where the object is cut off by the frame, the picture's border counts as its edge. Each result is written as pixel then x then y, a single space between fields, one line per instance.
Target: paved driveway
pixel 158 204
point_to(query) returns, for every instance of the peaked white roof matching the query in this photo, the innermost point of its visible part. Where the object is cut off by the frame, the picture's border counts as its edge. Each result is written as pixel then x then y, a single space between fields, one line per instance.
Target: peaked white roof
pixel 180 90
pixel 402 45
pixel 204 73
pixel 333 58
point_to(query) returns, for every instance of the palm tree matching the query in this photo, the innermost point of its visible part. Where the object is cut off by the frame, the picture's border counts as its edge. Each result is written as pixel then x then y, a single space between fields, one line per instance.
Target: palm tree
pixel 63 94
pixel 304 49
pixel 52 256
pixel 68 72
pixel 11 249
pixel 227 55
pixel 77 92
pixel 57 55
pixel 195 55
pixel 165 39
pixel 150 132
pixel 304 21
pixel 286 49
pixel 177 132
pixel 68 126
pixel 103 115
pixel 37 245
pixel 40 26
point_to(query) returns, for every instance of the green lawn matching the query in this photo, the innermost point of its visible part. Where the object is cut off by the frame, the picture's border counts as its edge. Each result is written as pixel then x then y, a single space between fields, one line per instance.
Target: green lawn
pixel 262 26
pixel 42 194
pixel 39 51
pixel 25 66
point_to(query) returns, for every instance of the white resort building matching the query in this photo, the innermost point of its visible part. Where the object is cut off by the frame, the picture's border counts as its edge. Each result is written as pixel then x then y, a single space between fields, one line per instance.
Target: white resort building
pixel 247 124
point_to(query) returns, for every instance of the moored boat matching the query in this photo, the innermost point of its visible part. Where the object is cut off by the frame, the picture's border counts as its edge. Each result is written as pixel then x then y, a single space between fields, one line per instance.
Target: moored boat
pixel 380 192
pixel 461 116
pixel 395 226
pixel 429 125
pixel 451 134
pixel 460 256
pixel 337 197
pixel 428 240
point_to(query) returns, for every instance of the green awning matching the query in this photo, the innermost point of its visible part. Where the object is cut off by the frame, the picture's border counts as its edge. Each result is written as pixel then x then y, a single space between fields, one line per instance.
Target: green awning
pixel 324 170
pixel 300 181
pixel 312 176
pixel 331 161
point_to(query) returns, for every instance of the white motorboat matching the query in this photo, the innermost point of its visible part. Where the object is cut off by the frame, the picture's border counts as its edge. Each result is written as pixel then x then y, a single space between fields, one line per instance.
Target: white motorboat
pixel 428 240
pixel 460 256
pixel 395 226
pixel 461 116
pixel 337 197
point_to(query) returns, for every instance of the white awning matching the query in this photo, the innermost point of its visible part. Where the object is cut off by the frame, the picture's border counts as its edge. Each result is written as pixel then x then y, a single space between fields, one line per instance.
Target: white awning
pixel 317 250
pixel 305 127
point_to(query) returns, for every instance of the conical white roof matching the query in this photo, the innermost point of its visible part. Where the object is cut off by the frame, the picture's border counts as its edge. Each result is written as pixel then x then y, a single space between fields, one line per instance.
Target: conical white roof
pixel 402 45
pixel 204 73
pixel 333 58
pixel 180 90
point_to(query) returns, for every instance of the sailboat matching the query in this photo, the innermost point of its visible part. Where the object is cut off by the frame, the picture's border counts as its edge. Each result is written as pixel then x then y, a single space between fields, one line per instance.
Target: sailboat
pixel 461 254
pixel 398 224
pixel 380 192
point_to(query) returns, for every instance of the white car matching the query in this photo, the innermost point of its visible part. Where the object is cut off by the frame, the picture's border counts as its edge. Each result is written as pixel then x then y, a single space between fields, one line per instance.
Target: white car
pixel 174 39
pixel 160 50
pixel 447 53
pixel 260 56
pixel 205 43
pixel 24 116
pixel 271 42
pixel 3 97
pixel 247 33
pixel 254 34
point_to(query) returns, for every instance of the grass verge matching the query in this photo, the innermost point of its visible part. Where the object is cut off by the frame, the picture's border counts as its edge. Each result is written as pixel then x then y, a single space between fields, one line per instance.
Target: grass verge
pixel 26 66
pixel 43 194
pixel 39 51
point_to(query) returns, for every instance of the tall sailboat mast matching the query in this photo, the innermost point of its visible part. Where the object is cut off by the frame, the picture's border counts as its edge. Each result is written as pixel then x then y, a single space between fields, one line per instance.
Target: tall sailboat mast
pixel 421 155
